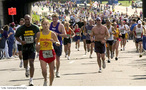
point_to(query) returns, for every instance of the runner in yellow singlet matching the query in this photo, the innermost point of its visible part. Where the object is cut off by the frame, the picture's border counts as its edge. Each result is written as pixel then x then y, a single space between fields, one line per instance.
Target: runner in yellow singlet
pixel 45 40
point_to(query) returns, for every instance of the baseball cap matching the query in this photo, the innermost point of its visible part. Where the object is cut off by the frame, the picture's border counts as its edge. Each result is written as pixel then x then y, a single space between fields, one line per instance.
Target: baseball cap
pixel 139 22
pixel 98 18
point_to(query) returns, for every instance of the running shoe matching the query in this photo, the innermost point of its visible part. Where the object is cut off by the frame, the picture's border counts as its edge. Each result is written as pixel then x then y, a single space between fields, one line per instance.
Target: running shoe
pixel 21 64
pixel 31 83
pixel 99 71
pixel 104 65
pixel 45 83
pixel 57 75
pixel 109 61
pixel 27 73
pixel 121 49
pixel 78 49
pixel 90 56
pixel 116 58
pixel 68 57
pixel 75 47
pixel 85 52
pixel 140 55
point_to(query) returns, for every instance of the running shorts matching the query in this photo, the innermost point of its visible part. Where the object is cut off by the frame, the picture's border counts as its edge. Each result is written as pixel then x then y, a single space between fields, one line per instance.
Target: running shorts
pixel 99 47
pixel 67 40
pixel 47 60
pixel 83 37
pixel 19 47
pixel 77 38
pixel 138 40
pixel 58 50
pixel 28 55
pixel 110 42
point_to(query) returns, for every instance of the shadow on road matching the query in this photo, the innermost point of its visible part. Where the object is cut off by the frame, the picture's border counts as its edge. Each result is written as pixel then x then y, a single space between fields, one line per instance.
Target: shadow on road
pixel 139 77
pixel 25 79
pixel 11 69
pixel 80 73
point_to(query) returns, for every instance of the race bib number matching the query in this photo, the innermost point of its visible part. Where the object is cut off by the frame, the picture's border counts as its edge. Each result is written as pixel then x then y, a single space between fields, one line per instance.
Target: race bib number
pixel 68 36
pixel 122 32
pixel 29 39
pixel 78 34
pixel 89 31
pixel 138 34
pixel 47 54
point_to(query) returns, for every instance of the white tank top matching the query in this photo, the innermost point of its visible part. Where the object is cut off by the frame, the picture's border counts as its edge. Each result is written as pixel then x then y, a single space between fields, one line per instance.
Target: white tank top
pixel 139 31
pixel 122 29
pixel 110 31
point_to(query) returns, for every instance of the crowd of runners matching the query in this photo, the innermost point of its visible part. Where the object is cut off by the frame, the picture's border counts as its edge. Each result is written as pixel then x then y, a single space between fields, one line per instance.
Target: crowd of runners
pixel 101 30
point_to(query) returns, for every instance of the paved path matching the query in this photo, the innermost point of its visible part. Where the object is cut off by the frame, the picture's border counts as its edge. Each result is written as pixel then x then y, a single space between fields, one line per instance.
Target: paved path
pixel 129 70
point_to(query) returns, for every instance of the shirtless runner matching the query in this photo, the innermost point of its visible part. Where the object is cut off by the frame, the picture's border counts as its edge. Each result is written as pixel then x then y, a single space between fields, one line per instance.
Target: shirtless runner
pixel 101 35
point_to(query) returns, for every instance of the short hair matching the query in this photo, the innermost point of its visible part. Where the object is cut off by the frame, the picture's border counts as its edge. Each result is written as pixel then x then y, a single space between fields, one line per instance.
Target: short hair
pixel 134 20
pixel 6 27
pixel 22 19
pixel 55 15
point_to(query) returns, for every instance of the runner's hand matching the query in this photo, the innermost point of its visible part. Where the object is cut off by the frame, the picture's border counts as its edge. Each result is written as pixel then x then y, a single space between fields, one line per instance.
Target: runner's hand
pixel 103 41
pixel 23 42
pixel 37 47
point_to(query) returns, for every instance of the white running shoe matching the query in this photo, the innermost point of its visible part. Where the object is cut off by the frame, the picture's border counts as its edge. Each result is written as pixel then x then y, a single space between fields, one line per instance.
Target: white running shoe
pixel 57 75
pixel 68 57
pixel 99 71
pixel 21 64
pixel 123 48
pixel 31 83
pixel 45 83
pixel 27 73
pixel 104 65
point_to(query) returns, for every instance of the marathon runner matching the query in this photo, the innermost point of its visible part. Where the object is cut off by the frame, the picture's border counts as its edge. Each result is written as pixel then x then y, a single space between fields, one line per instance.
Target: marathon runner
pixel 44 46
pixel 59 30
pixel 116 40
pixel 101 35
pixel 84 36
pixel 67 41
pixel 19 46
pixel 77 37
pixel 87 32
pixel 122 29
pixel 110 40
pixel 138 33
pixel 28 33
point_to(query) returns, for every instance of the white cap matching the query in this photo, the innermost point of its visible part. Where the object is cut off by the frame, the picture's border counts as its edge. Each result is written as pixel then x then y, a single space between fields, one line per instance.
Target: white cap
pixel 139 22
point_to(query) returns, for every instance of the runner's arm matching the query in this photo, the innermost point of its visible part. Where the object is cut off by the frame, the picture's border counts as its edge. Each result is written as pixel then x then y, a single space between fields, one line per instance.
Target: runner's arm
pixel 72 33
pixel 134 31
pixel 37 42
pixel 55 39
pixel 107 33
pixel 63 32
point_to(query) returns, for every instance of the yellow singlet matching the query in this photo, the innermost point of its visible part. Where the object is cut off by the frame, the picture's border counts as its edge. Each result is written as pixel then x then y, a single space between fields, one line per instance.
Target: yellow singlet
pixel 117 33
pixel 45 43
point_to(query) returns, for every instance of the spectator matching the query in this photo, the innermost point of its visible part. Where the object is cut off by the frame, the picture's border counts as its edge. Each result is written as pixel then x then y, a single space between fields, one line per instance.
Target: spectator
pixel 6 35
pixel 11 39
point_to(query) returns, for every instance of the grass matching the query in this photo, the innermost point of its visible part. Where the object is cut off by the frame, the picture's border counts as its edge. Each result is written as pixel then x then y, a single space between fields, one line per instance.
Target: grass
pixel 124 3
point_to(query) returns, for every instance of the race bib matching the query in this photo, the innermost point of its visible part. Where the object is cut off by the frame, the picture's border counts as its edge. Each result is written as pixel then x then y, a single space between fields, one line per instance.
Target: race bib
pixel 78 33
pixel 89 31
pixel 47 54
pixel 68 36
pixel 122 31
pixel 29 39
pixel 138 34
